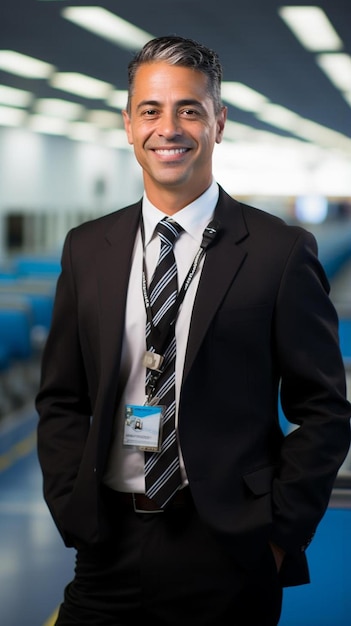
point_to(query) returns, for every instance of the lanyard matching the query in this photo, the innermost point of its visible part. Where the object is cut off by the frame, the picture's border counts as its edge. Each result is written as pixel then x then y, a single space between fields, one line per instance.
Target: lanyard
pixel 159 341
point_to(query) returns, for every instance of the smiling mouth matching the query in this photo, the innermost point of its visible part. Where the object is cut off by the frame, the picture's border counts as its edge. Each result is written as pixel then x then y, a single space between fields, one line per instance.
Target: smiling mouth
pixel 171 151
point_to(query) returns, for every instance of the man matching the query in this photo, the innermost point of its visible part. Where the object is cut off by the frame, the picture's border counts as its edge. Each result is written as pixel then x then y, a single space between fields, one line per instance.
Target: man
pixel 215 538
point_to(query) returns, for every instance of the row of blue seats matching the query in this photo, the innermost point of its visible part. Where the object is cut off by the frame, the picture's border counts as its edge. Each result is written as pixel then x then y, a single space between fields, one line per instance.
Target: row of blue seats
pixel 334 243
pixel 345 338
pixel 36 266
pixel 27 287
pixel 25 317
pixel 27 290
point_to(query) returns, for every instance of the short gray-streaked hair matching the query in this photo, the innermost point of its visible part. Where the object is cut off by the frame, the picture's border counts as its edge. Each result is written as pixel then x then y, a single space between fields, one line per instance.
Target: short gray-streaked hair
pixel 185 53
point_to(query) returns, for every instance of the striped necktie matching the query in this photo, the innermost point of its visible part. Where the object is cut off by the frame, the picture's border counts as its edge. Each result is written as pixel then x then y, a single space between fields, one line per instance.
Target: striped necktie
pixel 162 473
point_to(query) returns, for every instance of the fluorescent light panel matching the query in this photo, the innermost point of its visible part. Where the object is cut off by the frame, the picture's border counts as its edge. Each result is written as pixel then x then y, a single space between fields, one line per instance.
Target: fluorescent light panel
pixel 279 116
pixel 241 132
pixel 11 117
pixel 118 99
pixel 82 131
pixel 242 96
pixel 47 125
pixel 285 119
pixel 104 119
pixel 108 26
pixel 347 97
pixel 15 97
pixel 337 66
pixel 55 107
pixel 311 27
pixel 23 65
pixel 81 85
pixel 116 139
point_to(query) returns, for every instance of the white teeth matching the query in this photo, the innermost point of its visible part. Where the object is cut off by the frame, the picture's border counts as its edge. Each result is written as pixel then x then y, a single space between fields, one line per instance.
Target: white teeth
pixel 173 151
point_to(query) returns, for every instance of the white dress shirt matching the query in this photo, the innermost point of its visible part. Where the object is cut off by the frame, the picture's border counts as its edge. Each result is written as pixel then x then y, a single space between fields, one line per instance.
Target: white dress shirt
pixel 125 467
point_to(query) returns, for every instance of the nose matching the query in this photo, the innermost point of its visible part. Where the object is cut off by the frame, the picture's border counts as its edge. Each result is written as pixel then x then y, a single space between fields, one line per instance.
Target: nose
pixel 169 125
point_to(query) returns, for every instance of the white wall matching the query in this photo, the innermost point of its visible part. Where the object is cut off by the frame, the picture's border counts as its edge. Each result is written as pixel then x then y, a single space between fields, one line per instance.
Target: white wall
pixel 64 180
pixel 57 182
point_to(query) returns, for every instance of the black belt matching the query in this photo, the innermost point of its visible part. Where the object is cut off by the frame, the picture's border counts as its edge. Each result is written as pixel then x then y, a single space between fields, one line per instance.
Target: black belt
pixel 140 503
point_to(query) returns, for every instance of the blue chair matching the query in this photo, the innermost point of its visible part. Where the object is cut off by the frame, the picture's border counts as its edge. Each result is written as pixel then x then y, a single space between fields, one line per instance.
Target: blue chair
pixel 16 321
pixel 345 338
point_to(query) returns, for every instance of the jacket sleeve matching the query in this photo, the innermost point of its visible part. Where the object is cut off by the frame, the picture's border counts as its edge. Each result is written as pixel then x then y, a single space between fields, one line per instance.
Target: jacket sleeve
pixel 63 401
pixel 313 397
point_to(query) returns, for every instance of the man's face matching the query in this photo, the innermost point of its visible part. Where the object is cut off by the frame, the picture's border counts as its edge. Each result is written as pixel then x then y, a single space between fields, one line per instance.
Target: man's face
pixel 173 128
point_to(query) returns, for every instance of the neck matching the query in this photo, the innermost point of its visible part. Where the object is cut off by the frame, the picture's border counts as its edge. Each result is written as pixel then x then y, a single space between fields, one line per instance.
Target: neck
pixel 170 201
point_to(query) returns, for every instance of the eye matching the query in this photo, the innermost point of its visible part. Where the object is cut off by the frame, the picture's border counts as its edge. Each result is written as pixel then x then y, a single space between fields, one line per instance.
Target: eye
pixel 189 112
pixel 149 112
pixel 192 113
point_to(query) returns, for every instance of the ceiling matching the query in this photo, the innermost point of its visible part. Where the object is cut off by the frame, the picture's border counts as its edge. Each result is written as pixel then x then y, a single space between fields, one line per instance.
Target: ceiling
pixel 254 44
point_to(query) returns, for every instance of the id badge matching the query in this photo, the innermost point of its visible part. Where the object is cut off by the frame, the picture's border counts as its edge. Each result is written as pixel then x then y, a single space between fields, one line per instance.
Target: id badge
pixel 143 426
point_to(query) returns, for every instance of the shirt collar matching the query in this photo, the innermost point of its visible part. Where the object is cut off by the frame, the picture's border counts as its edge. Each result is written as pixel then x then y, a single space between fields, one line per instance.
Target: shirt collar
pixel 193 218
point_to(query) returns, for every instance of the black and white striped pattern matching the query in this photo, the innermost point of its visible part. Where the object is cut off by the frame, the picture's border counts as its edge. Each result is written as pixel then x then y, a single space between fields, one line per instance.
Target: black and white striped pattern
pixel 162 473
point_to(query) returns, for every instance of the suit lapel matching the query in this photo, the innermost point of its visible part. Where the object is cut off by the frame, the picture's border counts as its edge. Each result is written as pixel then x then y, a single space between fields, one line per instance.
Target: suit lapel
pixel 222 262
pixel 113 270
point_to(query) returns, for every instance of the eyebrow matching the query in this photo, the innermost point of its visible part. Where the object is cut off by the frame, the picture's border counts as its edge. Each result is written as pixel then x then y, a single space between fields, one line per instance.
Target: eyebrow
pixel 184 102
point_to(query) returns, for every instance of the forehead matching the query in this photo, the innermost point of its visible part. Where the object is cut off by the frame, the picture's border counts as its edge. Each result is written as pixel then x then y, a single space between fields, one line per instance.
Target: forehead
pixel 159 80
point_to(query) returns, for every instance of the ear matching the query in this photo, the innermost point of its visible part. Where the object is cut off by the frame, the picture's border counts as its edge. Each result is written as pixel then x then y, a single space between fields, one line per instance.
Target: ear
pixel 221 120
pixel 128 127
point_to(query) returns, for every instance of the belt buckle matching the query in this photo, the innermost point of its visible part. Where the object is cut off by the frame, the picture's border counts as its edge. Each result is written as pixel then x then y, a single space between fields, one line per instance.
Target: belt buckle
pixel 136 510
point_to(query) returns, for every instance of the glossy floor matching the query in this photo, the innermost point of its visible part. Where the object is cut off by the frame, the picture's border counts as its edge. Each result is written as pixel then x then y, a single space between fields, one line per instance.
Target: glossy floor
pixel 35 565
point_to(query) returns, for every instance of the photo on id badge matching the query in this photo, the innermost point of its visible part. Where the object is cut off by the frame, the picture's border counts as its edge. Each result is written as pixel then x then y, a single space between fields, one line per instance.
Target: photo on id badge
pixel 142 426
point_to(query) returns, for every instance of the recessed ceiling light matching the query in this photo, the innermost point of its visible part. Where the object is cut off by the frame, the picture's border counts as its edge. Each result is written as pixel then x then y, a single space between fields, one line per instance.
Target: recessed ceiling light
pixel 81 85
pixel 311 27
pixel 108 26
pixel 23 65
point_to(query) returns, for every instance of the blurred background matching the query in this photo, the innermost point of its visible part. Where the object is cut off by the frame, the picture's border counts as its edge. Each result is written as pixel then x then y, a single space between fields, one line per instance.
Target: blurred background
pixel 64 159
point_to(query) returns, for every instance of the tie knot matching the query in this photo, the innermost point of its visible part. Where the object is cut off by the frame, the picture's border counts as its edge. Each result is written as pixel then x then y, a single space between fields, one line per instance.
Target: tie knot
pixel 168 230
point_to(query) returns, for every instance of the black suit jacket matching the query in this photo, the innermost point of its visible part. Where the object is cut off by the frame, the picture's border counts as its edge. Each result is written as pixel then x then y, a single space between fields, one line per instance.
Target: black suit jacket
pixel 262 324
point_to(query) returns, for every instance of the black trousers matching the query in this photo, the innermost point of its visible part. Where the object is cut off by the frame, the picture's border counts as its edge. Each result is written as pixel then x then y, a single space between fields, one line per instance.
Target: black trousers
pixel 167 568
